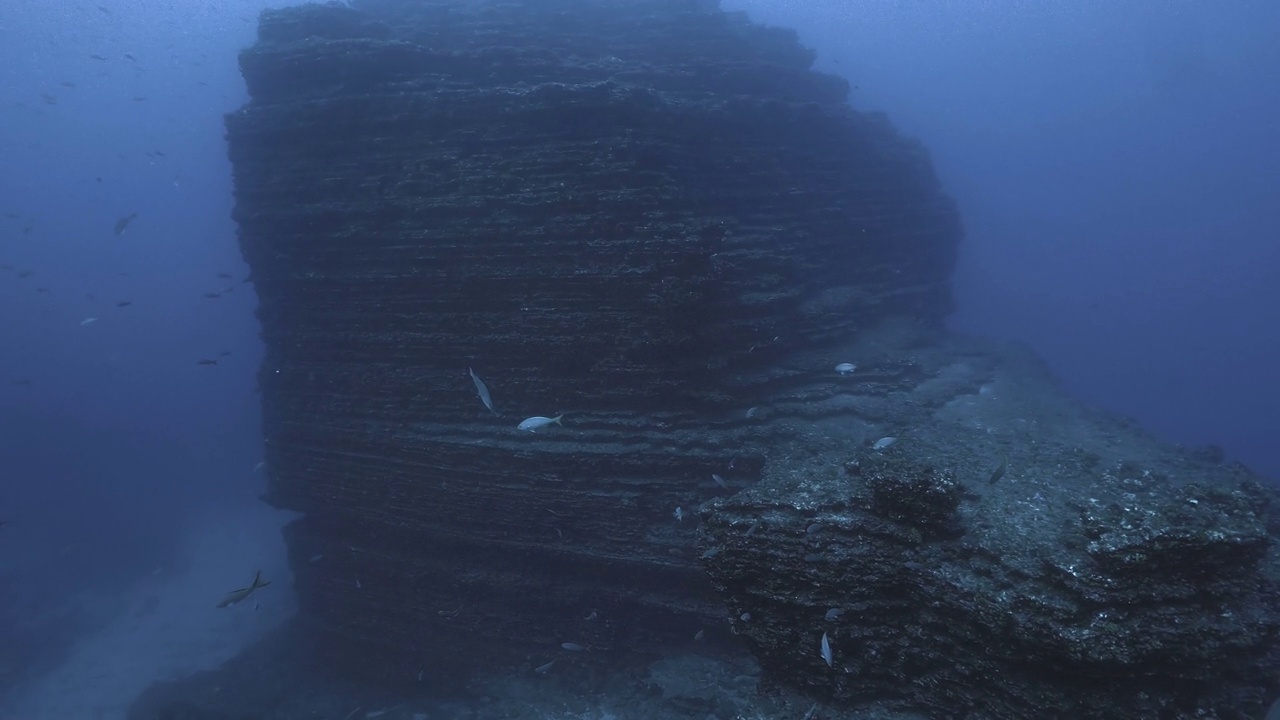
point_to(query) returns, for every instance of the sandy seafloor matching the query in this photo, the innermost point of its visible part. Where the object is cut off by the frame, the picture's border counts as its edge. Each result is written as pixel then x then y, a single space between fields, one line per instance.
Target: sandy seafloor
pixel 171 627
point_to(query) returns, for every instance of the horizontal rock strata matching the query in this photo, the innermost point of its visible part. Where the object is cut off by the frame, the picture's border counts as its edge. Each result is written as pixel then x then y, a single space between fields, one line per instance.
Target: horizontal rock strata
pixel 1003 553
pixel 650 217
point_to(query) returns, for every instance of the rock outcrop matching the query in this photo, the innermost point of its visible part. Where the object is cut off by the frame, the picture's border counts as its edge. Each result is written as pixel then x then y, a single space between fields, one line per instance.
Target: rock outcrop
pixel 1010 554
pixel 647 216
pixel 655 219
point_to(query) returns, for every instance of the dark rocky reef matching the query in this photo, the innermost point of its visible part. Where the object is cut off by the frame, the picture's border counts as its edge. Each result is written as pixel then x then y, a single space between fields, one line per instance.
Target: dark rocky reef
pixel 648 216
pixel 1011 555
pixel 655 218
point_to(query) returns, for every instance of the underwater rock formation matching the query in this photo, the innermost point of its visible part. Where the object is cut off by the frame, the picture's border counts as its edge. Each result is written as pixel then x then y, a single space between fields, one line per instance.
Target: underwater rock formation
pixel 655 219
pixel 1011 554
pixel 642 215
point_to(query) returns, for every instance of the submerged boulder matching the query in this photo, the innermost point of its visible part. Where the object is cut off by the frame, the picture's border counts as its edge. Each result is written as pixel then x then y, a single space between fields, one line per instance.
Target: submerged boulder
pixel 1013 554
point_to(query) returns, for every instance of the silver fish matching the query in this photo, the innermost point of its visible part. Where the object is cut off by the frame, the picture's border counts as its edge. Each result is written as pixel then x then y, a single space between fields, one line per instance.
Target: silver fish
pixel 537 421
pixel 236 596
pixel 826 650
pixel 834 613
pixel 884 442
pixel 88 321
pixel 544 669
pixel 482 390
pixel 846 368
pixel 719 480
pixel 679 513
pixel 572 647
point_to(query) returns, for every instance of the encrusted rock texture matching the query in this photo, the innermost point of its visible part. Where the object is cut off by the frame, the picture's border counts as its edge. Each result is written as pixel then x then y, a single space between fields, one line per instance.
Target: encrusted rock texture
pixel 974 544
pixel 654 218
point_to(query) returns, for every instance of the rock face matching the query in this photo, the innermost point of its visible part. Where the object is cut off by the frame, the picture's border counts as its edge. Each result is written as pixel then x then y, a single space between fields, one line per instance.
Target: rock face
pixel 1011 555
pixel 653 218
pixel 649 216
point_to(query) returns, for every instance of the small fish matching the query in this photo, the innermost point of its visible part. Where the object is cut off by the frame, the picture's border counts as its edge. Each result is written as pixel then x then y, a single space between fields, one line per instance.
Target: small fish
pixel 999 472
pixel 572 647
pixel 25 273
pixel 236 596
pixel 545 668
pixel 698 636
pixel 592 616
pixel 834 613
pixel 261 464
pixel 710 553
pixel 537 421
pixel 826 650
pixel 719 481
pixel 846 368
pixel 211 295
pixel 754 527
pixel 123 223
pixel 884 443
pixel 68 84
pixel 745 617
pixel 48 99
pixel 88 321
pixel 224 276
pixel 225 353
pixel 98 58
pixel 752 411
pixel 483 391
pixel 124 303
pixel 317 558
pixel 206 361
pixel 813 528
pixel 679 513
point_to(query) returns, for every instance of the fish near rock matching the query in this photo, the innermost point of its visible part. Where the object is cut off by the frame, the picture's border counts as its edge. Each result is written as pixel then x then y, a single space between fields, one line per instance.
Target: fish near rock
pixel 538 422
pixel 236 596
pixel 884 443
pixel 483 391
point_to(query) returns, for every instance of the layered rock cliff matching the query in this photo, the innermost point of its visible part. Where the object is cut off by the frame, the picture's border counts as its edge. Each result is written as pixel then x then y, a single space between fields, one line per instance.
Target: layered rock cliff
pixel 653 218
pixel 645 216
